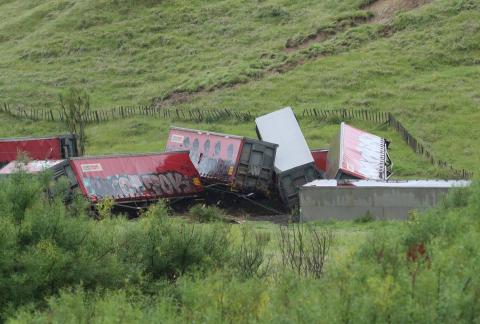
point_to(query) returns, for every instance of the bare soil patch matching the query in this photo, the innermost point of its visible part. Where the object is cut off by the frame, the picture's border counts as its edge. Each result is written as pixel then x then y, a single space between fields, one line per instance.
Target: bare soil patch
pixel 385 10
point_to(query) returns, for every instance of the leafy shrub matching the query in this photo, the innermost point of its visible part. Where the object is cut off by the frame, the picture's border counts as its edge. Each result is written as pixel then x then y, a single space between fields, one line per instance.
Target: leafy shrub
pixel 48 249
pixel 249 259
pixel 205 214
pixel 366 218
pixel 104 208
pixel 170 248
pixel 304 248
pixel 273 12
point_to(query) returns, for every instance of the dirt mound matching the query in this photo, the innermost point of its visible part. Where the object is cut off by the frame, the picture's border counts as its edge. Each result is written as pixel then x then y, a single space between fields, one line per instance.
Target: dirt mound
pixel 385 10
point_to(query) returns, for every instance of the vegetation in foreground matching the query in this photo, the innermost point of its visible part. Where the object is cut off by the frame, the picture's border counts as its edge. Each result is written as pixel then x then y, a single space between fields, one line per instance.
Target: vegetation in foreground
pixel 59 265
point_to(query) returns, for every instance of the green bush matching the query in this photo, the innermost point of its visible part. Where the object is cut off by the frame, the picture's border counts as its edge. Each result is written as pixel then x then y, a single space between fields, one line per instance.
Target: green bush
pixel 205 214
pixel 249 259
pixel 47 246
pixel 57 267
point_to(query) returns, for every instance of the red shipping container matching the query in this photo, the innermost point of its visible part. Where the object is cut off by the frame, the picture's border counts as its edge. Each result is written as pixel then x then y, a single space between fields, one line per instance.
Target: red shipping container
pixel 43 148
pixel 142 177
pixel 320 158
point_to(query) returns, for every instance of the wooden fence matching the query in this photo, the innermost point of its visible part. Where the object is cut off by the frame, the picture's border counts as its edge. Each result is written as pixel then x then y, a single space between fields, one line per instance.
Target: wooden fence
pixel 215 115
pixel 122 112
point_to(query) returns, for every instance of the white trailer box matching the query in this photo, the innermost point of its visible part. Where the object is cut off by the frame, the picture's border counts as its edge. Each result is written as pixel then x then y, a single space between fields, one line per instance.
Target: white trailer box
pixel 294 164
pixel 281 127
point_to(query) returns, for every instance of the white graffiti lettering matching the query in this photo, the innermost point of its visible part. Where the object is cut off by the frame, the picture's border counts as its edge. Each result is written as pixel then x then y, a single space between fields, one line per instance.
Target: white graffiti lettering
pixel 124 186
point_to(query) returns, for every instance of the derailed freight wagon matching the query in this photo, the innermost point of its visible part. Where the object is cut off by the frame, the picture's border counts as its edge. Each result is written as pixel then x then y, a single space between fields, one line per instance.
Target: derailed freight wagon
pixel 294 164
pixel 135 178
pixel 356 154
pixel 39 148
pixel 241 163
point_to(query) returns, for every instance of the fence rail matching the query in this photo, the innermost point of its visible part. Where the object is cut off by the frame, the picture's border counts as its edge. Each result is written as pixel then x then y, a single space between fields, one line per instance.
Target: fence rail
pixel 122 112
pixel 214 115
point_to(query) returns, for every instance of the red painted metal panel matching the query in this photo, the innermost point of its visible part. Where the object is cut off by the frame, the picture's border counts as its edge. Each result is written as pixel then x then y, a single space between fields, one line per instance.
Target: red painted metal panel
pixel 36 149
pixel 214 155
pixel 137 177
pixel 320 158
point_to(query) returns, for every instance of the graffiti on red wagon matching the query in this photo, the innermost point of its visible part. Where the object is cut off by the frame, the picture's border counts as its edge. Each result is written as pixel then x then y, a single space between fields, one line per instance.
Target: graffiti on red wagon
pixel 152 184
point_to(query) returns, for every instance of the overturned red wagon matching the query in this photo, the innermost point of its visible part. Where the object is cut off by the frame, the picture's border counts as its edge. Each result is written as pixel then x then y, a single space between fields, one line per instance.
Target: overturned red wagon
pixel 39 148
pixel 244 164
pixel 135 178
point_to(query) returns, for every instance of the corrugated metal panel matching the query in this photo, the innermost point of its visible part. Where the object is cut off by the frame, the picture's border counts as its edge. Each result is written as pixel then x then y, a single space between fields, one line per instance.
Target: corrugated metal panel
pixel 137 177
pixel 281 127
pixel 255 167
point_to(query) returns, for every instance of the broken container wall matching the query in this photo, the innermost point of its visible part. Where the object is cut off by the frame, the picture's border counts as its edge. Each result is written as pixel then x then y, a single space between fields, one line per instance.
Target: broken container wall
pixel 214 155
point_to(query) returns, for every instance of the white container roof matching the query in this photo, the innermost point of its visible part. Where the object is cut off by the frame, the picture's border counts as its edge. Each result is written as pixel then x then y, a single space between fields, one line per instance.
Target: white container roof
pixel 390 184
pixel 281 127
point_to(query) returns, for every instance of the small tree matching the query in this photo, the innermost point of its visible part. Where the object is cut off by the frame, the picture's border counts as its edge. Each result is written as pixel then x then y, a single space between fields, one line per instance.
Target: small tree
pixel 75 106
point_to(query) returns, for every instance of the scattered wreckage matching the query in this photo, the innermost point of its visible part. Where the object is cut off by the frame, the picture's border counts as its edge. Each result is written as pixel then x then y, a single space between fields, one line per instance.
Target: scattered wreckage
pixel 276 166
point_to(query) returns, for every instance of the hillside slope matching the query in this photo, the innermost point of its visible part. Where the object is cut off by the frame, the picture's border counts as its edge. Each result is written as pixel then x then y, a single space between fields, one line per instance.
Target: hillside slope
pixel 127 52
pixel 422 64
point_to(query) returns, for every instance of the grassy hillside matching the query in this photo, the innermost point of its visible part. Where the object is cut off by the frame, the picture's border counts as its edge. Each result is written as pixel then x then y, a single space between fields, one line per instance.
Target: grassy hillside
pixel 127 51
pixel 423 67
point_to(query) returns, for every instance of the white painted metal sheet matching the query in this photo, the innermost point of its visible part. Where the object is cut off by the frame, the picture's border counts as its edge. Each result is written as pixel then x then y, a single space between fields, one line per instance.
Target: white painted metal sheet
pixel 390 184
pixel 30 167
pixel 281 127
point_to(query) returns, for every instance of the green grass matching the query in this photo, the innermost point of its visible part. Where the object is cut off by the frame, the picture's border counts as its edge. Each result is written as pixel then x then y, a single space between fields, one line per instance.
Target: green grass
pixel 128 52
pixel 426 73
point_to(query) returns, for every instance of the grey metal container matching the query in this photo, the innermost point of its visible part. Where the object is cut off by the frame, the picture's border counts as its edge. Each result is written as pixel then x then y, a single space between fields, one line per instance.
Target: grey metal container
pixel 255 166
pixel 69 146
pixel 290 181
